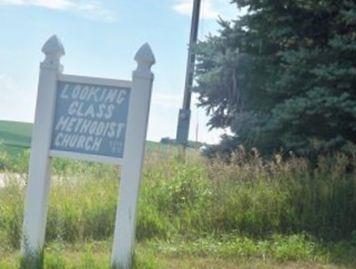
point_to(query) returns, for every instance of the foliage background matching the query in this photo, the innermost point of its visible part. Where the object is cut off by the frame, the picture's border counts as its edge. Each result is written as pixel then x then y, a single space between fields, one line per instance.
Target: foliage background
pixel 283 77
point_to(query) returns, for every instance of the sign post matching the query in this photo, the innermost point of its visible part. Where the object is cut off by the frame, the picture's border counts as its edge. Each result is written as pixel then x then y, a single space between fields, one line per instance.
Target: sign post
pixel 94 119
pixel 124 236
pixel 39 175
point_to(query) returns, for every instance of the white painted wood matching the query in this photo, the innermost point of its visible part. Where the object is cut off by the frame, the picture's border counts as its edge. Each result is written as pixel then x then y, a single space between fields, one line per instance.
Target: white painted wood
pixel 36 202
pixel 85 157
pixel 95 80
pixel 124 236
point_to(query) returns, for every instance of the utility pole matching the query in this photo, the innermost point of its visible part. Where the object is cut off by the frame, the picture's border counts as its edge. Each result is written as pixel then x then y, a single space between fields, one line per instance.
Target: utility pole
pixel 184 112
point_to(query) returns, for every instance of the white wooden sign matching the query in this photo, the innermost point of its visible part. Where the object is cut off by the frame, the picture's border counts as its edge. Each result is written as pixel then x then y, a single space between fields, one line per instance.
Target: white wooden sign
pixel 95 119
pixel 90 118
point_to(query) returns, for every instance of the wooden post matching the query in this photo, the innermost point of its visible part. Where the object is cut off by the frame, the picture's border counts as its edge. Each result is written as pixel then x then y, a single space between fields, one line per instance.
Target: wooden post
pixel 36 202
pixel 124 236
pixel 182 136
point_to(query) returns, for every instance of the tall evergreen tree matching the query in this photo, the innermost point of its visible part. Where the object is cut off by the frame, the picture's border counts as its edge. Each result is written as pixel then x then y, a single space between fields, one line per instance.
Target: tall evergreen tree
pixel 283 77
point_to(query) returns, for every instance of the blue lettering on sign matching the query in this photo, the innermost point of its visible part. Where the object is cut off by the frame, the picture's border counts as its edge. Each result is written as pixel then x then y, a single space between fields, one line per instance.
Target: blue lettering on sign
pixel 90 119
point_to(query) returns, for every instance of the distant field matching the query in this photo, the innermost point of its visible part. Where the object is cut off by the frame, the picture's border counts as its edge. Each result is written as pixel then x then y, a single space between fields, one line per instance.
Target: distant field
pixel 15 137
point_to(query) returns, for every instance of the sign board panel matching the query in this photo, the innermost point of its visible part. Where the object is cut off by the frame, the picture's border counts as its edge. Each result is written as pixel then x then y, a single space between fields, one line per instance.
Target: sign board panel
pixel 90 119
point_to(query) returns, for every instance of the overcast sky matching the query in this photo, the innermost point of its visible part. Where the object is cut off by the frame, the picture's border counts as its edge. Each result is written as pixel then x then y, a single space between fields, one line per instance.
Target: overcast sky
pixel 100 39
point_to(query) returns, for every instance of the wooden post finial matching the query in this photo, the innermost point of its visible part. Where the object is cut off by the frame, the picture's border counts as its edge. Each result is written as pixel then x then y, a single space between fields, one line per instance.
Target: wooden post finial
pixel 54 50
pixel 145 59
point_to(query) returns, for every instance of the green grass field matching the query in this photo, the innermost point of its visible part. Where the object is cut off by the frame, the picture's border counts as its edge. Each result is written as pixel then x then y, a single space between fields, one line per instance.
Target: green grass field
pixel 15 136
pixel 250 213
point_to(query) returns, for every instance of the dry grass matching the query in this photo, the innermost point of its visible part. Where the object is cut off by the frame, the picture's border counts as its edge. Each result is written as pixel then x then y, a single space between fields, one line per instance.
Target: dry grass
pixel 250 213
pixel 190 262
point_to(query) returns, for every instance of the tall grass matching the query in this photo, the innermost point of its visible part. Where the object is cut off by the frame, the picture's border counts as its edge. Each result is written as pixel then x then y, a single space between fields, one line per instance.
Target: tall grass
pixel 194 199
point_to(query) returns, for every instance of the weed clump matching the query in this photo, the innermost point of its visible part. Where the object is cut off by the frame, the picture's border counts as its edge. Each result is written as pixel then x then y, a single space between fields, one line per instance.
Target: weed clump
pixel 248 196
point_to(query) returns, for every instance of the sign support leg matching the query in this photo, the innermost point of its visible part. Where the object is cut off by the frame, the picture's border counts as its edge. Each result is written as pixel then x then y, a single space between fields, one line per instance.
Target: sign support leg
pixel 36 202
pixel 124 236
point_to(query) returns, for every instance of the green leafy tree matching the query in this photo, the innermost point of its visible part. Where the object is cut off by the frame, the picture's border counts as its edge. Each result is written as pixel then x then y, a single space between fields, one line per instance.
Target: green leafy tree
pixel 283 76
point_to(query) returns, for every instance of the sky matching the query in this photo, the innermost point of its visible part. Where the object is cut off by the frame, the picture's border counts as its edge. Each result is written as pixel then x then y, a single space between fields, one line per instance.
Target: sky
pixel 100 39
